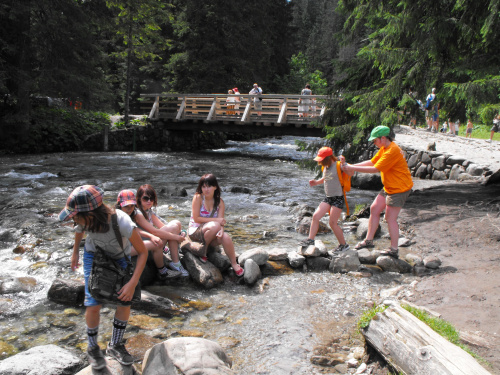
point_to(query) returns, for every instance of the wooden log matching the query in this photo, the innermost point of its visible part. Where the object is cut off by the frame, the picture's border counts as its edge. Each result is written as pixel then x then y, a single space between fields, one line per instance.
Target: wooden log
pixel 412 347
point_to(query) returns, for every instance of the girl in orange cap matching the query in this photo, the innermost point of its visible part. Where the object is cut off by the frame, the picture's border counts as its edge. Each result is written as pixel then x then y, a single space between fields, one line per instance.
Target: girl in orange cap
pixel 333 202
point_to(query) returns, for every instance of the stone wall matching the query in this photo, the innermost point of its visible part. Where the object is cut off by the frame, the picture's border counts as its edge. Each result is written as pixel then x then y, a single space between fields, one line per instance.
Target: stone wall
pixel 433 165
pixel 154 137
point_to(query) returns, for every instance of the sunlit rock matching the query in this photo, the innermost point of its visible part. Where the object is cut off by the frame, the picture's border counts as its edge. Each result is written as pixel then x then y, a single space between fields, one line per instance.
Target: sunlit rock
pixel 146 322
pixel 187 355
pixel 278 253
pixel 257 254
pixel 295 259
pixel 363 229
pixel 345 262
pixel 252 272
pixel 432 262
pixel 205 274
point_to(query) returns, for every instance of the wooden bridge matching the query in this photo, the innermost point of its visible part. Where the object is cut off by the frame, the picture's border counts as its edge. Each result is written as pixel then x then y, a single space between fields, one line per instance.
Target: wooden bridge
pixel 280 115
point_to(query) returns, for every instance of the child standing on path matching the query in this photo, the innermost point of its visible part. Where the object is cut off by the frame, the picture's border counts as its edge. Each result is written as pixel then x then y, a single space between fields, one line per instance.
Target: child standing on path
pixel 207 220
pixel 468 132
pixel 90 215
pixel 162 232
pixel 333 202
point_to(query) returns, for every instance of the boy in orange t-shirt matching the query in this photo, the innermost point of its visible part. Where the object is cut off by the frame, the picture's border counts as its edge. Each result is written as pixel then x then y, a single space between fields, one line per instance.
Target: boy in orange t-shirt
pixel 397 181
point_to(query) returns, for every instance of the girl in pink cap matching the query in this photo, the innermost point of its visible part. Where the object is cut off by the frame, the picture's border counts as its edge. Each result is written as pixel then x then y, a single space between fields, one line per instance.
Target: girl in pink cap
pixel 333 202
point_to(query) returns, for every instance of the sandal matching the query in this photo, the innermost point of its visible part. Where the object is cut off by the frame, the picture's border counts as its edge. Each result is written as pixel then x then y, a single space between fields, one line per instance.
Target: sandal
pixel 364 244
pixel 240 272
pixel 390 252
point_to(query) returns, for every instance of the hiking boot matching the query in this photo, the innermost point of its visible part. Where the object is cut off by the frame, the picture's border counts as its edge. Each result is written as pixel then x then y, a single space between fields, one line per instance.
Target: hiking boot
pixel 120 353
pixel 390 252
pixel 179 268
pixel 172 274
pixel 306 242
pixel 341 248
pixel 96 358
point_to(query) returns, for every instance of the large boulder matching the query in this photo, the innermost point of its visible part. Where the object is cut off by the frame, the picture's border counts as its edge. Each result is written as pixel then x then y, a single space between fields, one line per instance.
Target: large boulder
pixel 257 254
pixel 67 292
pixel 42 360
pixel 344 262
pixel 187 355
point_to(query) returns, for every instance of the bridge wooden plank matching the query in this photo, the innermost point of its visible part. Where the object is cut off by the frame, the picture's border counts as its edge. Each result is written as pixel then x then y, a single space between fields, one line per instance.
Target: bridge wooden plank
pixel 247 111
pixel 283 111
pixel 181 109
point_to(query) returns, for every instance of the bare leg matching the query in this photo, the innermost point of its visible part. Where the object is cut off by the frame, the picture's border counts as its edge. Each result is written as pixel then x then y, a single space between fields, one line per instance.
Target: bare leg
pixel 376 209
pixel 321 211
pixel 391 216
pixel 337 230
pixel 92 316
pixel 173 227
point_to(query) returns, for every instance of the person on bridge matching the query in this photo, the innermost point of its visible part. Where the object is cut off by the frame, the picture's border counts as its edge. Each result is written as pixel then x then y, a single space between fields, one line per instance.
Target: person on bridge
pixel 257 101
pixel 230 103
pixel 164 233
pixel 397 181
pixel 207 221
pixel 304 104
pixel 237 100
pixel 333 202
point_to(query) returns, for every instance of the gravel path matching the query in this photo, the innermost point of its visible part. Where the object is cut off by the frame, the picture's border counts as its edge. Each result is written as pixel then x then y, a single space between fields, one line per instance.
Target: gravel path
pixel 477 150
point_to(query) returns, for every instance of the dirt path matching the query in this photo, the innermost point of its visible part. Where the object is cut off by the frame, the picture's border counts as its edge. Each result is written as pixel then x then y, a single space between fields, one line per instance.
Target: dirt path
pixel 460 223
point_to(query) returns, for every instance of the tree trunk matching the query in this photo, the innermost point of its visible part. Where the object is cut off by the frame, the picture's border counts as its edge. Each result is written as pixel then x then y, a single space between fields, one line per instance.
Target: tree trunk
pixel 412 347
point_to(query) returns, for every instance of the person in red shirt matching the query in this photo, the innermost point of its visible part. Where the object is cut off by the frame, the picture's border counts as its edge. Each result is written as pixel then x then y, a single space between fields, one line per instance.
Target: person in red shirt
pixel 397 181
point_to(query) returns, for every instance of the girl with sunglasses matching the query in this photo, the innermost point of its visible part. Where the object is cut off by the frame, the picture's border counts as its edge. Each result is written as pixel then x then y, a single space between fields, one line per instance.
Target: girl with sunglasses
pixel 207 220
pixel 157 233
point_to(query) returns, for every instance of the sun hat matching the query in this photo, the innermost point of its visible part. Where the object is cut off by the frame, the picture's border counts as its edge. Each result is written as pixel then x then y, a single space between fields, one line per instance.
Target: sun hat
pixel 323 153
pixel 83 199
pixel 126 198
pixel 379 131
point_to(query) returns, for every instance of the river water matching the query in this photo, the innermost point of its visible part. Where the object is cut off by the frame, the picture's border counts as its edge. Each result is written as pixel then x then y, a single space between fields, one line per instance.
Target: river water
pixel 267 329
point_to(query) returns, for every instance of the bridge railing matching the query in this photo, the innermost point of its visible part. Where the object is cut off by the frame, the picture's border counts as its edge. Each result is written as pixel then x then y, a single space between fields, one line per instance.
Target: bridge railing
pixel 278 109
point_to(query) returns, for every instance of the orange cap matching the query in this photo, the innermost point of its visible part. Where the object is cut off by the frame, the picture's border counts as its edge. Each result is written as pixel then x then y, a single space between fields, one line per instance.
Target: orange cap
pixel 323 153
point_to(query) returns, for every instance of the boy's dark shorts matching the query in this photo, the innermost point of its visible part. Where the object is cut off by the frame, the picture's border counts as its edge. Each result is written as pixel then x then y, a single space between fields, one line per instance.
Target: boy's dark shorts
pixel 395 200
pixel 495 128
pixel 337 201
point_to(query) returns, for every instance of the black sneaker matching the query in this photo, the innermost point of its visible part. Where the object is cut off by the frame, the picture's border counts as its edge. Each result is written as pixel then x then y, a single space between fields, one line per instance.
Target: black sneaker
pixel 120 353
pixel 341 248
pixel 172 274
pixel 306 242
pixel 96 358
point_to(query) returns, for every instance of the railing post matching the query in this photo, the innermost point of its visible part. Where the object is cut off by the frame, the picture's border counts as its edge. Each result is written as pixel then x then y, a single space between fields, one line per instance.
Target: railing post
pixel 181 109
pixel 282 115
pixel 211 114
pixel 155 111
pixel 246 114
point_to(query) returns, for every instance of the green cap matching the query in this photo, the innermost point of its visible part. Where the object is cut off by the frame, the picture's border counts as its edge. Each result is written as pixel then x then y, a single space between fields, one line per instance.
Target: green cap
pixel 379 131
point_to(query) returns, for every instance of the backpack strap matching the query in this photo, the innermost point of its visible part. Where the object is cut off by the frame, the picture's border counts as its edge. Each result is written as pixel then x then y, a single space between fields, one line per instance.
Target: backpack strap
pixel 339 174
pixel 118 235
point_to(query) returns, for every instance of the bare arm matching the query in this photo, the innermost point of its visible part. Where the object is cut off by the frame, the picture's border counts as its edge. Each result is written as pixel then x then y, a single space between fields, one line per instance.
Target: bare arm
pixel 148 227
pixel 76 251
pixel 363 167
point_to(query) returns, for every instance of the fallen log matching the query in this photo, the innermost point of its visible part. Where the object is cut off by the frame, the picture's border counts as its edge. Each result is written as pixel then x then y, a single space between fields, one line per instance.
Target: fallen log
pixel 412 347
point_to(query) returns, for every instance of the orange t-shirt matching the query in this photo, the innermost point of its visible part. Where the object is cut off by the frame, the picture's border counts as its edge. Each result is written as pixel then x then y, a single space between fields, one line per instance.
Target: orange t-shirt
pixel 393 168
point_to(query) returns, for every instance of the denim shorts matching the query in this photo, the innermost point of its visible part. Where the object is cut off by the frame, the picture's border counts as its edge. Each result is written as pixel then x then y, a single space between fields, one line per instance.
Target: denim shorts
pixel 88 258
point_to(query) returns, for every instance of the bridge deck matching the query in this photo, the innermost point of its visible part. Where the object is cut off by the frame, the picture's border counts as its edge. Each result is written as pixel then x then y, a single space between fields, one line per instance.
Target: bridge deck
pixel 280 114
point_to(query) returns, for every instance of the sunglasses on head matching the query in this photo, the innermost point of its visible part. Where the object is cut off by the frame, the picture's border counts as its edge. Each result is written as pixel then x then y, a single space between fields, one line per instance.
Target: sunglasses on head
pixel 145 198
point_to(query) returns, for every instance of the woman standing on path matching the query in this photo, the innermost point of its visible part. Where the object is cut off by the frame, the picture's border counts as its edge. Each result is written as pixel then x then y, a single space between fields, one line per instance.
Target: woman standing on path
pixel 397 181
pixel 207 220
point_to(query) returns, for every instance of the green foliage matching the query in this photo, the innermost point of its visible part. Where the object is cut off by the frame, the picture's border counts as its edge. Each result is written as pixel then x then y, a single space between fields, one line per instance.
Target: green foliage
pixel 368 315
pixel 440 326
pixel 300 74
pixel 57 130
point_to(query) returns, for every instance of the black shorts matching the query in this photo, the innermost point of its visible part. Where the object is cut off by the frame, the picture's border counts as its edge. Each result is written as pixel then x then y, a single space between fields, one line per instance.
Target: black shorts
pixel 495 128
pixel 335 201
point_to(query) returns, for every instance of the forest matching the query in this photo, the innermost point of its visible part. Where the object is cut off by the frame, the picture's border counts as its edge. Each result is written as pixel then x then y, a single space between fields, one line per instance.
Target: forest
pixel 368 53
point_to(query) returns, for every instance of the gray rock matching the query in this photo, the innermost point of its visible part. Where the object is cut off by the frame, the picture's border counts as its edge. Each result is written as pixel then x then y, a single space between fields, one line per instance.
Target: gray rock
pixel 204 274
pixel 367 181
pixel 404 242
pixel 453 159
pixel 252 272
pixel 366 256
pixel 41 360
pixel 456 170
pixel 421 171
pixel 474 170
pixel 414 260
pixel 389 264
pixel 412 161
pixel 345 262
pixel 219 260
pixel 431 146
pixel 321 247
pixel 429 170
pixel 240 189
pixel 305 224
pixel 426 159
pixel 363 229
pixel 439 175
pixel 421 271
pixel 187 355
pixel 17 285
pixel 432 262
pixel 257 254
pixel 296 260
pixel 439 163
pixel 318 263
pixel 67 292
pixel 278 253
pixel 309 251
